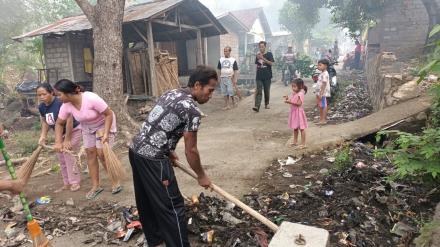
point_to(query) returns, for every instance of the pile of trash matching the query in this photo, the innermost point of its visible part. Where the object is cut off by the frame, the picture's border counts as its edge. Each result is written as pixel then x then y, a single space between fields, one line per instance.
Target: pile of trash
pixel 359 206
pixel 222 224
pixel 102 222
pixel 211 221
pixel 349 104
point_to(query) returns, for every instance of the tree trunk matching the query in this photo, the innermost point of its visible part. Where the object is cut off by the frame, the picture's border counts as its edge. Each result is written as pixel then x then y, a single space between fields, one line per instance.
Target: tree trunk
pixel 106 18
pixel 107 44
pixel 433 9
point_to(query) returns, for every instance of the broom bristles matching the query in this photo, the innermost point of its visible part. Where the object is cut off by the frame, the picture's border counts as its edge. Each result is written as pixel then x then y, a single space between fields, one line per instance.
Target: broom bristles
pixel 26 169
pixel 37 236
pixel 114 167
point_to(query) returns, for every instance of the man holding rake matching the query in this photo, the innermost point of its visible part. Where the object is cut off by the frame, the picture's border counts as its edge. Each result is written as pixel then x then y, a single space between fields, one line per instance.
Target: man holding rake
pixel 159 201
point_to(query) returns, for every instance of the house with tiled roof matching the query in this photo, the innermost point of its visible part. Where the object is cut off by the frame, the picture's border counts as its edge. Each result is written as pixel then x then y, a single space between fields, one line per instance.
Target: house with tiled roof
pixel 245 28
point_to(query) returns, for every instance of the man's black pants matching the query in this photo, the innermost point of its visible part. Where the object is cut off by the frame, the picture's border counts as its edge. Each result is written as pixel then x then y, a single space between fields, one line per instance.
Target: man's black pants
pixel 159 201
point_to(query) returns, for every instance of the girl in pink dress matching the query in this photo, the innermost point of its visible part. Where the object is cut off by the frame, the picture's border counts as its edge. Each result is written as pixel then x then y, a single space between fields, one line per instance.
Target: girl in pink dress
pixel 297 116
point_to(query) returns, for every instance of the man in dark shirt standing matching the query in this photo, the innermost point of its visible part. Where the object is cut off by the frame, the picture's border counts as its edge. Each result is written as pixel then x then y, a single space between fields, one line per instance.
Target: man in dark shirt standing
pixel 160 204
pixel 264 62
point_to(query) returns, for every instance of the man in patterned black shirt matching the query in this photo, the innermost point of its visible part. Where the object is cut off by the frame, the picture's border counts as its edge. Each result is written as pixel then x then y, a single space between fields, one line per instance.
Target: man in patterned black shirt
pixel 160 204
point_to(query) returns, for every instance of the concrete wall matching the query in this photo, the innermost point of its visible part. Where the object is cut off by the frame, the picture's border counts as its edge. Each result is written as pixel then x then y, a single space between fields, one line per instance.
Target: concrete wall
pixel 65 53
pixel 402 29
pixel 213 50
pixel 191 47
pixel 57 58
pixel 388 83
pixel 77 45
pixel 216 44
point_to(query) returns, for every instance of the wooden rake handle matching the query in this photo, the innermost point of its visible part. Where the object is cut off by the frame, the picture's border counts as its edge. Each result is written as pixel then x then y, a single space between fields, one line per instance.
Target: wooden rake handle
pixel 232 199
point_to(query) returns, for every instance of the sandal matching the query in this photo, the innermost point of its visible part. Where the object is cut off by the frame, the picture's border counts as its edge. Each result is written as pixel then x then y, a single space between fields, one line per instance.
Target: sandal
pixel 292 144
pixel 65 187
pixel 75 187
pixel 117 190
pixel 93 193
pixel 302 147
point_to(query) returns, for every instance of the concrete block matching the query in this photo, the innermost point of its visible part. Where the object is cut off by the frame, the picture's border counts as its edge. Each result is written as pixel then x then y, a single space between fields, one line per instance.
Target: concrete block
pixel 287 233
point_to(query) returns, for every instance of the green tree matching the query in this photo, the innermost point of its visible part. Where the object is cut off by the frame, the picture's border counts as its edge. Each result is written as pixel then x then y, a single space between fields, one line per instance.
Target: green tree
pixel 355 14
pixel 299 17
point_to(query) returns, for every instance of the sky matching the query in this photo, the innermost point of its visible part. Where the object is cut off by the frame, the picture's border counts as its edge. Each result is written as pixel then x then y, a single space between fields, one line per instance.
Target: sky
pixel 271 8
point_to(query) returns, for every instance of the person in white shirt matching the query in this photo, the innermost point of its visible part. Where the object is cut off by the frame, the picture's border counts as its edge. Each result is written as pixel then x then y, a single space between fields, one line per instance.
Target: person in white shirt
pixel 228 70
pixel 323 90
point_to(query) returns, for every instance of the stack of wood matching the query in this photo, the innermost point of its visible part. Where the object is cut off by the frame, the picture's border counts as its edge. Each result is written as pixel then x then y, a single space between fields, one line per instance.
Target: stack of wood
pixel 167 76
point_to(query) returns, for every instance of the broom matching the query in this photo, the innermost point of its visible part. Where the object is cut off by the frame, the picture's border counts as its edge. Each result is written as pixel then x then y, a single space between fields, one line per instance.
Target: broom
pixel 114 167
pixel 25 171
pixel 37 237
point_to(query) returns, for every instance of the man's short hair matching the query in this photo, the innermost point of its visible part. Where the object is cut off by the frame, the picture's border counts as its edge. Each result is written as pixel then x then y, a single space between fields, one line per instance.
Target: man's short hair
pixel 202 74
pixel 263 42
pixel 324 61
pixel 228 47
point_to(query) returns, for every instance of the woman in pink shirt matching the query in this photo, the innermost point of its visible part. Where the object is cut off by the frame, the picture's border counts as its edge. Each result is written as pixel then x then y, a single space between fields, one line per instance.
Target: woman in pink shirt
pixel 93 114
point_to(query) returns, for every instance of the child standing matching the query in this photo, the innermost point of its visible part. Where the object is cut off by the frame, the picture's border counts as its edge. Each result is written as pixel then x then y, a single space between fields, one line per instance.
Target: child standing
pixel 323 90
pixel 297 116
pixel 49 110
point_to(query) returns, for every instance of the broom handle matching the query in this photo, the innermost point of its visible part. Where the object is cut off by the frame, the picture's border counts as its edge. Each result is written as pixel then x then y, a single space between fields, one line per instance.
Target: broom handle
pixel 11 170
pixel 232 199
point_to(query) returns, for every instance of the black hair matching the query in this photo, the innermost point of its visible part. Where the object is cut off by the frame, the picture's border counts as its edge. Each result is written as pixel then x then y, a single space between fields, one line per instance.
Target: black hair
pixel 300 84
pixel 357 42
pixel 263 42
pixel 202 74
pixel 324 61
pixel 68 86
pixel 330 50
pixel 46 87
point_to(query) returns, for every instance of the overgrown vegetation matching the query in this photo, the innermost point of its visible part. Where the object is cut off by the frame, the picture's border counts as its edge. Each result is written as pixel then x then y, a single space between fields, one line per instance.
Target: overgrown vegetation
pixel 434 65
pixel 343 159
pixel 418 156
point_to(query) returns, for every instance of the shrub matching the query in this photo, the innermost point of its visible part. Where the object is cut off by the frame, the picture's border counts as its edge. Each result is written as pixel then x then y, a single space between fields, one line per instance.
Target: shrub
pixel 413 155
pixel 343 159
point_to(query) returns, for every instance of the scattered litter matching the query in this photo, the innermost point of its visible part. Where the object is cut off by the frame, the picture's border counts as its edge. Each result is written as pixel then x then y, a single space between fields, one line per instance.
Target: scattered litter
pixel 331 159
pixel 329 192
pixel 360 165
pixel 207 237
pixel 287 175
pixel 10 230
pixel 402 229
pixel 324 171
pixel 43 200
pixel 70 202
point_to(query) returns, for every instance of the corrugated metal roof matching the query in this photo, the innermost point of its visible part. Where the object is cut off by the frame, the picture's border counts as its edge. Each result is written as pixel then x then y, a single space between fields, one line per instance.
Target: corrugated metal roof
pixel 132 13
